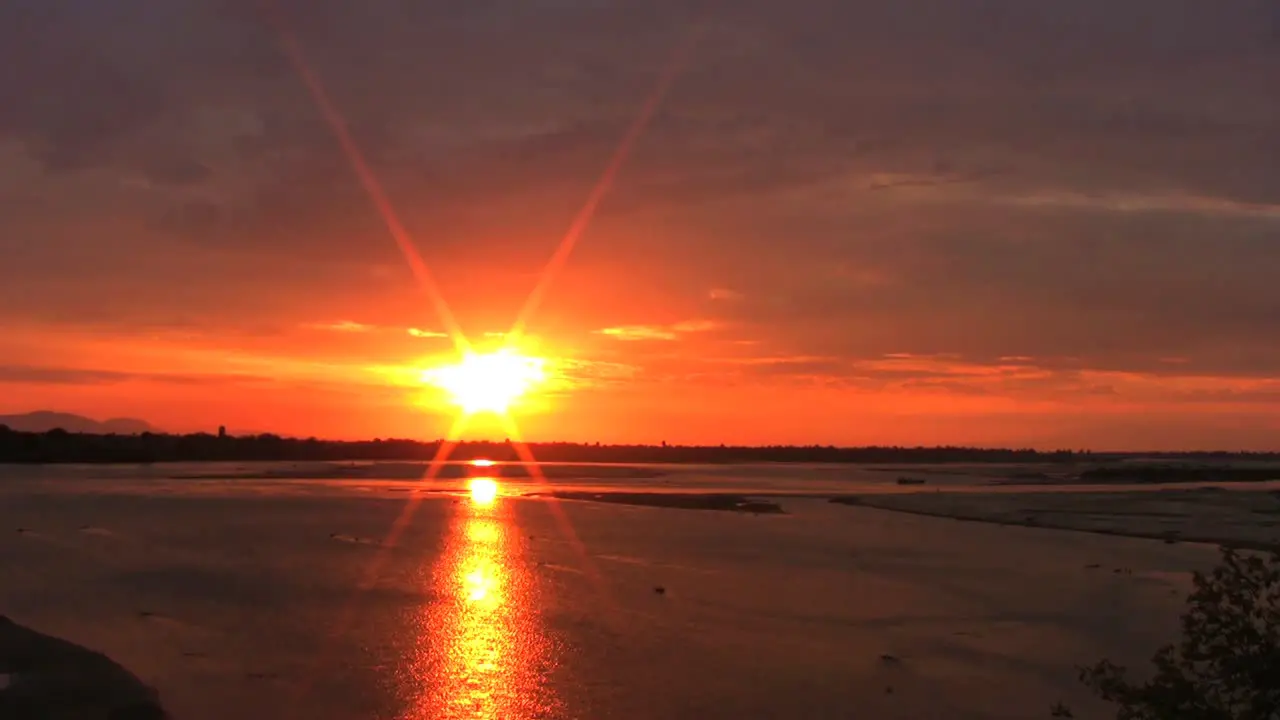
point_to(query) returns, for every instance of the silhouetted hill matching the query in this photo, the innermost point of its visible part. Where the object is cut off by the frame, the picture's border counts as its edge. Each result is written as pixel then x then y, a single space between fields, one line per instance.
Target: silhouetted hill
pixel 46 420
pixel 59 446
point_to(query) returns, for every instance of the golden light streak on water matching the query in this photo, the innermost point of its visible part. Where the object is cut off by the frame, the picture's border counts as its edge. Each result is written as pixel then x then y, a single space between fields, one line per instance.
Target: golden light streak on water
pixel 482 652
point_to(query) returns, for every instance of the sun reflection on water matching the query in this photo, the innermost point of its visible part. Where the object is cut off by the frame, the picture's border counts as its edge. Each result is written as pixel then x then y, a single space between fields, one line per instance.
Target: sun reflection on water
pixel 483 490
pixel 482 651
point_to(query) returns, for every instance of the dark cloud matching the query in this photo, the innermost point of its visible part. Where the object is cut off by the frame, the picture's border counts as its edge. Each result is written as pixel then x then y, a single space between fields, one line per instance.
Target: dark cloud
pixel 1120 291
pixel 177 171
pixel 45 375
pixel 59 376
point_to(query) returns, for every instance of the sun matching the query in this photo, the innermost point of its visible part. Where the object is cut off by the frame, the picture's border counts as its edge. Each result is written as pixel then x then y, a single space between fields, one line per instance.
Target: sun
pixel 487 382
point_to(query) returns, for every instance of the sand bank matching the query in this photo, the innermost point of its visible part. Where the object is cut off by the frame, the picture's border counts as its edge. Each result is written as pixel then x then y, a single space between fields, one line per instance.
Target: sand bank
pixel 683 501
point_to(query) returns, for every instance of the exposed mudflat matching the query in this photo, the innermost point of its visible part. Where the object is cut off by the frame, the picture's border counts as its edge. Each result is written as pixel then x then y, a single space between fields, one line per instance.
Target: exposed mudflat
pixel 1236 518
pixel 683 501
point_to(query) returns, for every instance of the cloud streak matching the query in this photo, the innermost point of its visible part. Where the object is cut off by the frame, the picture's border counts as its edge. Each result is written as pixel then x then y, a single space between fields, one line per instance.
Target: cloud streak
pixel 674 331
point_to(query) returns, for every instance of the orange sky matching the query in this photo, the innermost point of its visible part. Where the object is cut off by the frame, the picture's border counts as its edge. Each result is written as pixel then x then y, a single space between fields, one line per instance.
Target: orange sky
pixel 899 232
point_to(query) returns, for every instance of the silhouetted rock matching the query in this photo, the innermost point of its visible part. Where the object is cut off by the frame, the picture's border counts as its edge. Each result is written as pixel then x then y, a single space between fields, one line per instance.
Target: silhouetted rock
pixel 53 679
pixel 138 711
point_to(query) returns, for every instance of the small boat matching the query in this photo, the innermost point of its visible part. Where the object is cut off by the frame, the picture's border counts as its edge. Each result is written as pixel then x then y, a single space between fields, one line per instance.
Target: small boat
pixel 910 481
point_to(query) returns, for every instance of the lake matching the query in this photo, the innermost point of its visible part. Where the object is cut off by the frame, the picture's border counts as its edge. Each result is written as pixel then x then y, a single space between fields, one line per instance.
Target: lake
pixel 271 598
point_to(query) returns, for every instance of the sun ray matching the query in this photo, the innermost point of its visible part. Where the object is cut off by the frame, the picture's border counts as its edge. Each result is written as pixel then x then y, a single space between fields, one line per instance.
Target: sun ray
pixel 674 67
pixel 447 445
pixel 373 188
pixel 525 454
pixel 324 657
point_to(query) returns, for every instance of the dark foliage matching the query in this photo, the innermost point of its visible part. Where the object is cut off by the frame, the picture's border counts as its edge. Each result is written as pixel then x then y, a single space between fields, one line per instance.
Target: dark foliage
pixel 60 446
pixel 1226 665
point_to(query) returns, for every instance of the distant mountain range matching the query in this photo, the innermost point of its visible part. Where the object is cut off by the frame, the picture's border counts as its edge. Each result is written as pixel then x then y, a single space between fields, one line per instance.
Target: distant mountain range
pixel 46 420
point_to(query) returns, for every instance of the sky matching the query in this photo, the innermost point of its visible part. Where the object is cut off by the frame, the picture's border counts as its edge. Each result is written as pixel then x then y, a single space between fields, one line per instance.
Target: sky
pixel 997 222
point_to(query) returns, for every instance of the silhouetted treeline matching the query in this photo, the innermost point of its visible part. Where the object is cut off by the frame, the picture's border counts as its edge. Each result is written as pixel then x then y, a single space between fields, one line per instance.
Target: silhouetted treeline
pixel 58 446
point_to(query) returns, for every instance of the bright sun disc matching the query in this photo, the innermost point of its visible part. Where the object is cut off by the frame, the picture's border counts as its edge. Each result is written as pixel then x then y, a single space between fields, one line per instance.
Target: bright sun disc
pixel 483 491
pixel 488 382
